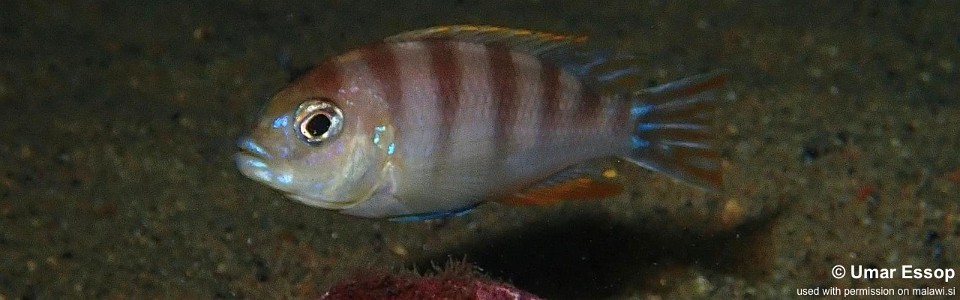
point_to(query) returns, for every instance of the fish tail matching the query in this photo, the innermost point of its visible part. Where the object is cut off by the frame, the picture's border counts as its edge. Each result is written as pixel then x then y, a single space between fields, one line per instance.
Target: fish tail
pixel 673 129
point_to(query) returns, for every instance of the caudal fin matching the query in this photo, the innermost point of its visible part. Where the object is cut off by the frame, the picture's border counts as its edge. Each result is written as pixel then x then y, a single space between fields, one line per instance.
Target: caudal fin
pixel 673 130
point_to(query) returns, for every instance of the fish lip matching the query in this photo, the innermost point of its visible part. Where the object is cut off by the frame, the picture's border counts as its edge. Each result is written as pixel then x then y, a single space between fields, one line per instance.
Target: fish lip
pixel 253 167
pixel 252 161
pixel 250 147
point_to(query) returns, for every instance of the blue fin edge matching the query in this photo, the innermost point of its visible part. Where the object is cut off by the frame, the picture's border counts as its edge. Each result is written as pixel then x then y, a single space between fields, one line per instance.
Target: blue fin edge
pixel 434 215
pixel 673 130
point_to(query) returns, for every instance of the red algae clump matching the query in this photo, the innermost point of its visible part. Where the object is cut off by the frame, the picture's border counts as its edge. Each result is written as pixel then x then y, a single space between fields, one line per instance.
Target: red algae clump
pixel 456 282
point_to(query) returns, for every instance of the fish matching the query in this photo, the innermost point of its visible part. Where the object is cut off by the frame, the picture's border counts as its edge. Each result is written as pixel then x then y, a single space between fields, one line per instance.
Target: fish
pixel 431 123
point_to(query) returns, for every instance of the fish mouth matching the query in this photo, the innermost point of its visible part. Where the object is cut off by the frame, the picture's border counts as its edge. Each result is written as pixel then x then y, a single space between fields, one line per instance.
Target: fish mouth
pixel 250 146
pixel 251 161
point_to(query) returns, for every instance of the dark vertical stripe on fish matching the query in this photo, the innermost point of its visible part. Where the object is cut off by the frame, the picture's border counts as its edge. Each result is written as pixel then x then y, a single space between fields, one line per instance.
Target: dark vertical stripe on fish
pixel 503 77
pixel 590 107
pixel 383 64
pixel 550 75
pixel 326 78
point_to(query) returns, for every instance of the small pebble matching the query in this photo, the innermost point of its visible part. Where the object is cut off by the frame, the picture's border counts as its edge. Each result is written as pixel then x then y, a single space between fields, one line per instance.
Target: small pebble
pixel 732 129
pixel 732 213
pixel 26 152
pixel 202 33
pixel 702 24
pixel 399 250
pixel 832 50
pixel 730 96
pixel 946 65
pixel 703 286
pixel 221 268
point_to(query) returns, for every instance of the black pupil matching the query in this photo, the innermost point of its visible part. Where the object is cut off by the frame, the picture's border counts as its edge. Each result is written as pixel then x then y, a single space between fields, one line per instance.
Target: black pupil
pixel 318 125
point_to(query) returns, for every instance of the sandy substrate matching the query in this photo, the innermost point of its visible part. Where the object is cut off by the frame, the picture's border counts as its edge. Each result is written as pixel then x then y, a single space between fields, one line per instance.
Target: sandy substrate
pixel 840 140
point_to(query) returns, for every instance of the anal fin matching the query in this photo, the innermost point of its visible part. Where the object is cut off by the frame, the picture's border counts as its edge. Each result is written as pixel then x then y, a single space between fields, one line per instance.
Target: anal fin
pixel 572 184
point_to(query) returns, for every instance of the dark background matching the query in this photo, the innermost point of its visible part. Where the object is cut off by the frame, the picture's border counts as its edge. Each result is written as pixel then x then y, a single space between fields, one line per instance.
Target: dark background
pixel 840 136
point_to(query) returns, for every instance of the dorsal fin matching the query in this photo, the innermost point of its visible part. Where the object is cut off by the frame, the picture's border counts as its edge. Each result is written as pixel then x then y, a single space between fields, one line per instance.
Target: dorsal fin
pixel 603 71
pixel 526 41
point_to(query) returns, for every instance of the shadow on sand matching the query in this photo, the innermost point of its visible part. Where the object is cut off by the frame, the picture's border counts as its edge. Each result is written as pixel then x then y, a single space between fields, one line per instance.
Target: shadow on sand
pixel 592 257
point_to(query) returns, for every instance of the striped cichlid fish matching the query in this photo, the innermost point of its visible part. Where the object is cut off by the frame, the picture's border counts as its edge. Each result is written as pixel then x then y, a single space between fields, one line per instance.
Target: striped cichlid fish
pixel 430 123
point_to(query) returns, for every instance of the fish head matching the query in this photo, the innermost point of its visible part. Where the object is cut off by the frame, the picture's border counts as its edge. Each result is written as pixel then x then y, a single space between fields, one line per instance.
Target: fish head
pixel 323 151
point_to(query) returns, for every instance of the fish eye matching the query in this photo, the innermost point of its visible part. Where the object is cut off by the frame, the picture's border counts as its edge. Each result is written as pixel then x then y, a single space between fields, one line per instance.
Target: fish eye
pixel 318 120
